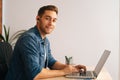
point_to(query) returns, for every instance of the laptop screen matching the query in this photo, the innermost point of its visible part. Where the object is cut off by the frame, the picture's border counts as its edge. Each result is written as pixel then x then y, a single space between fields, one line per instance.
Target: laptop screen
pixel 102 61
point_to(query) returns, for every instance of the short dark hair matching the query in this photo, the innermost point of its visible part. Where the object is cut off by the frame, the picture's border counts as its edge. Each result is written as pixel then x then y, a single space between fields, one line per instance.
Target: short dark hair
pixel 48 7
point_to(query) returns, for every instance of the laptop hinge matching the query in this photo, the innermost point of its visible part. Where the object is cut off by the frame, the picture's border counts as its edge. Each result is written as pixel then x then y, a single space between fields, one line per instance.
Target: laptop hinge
pixel 95 74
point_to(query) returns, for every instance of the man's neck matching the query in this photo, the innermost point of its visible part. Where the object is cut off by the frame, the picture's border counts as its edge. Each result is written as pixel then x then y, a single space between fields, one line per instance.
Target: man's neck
pixel 42 35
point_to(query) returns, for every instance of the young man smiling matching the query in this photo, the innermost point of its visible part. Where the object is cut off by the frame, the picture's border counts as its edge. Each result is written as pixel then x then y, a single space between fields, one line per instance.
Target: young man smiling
pixel 32 54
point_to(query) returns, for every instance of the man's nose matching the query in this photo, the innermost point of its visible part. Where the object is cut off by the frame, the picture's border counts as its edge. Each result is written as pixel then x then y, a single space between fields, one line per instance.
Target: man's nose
pixel 51 23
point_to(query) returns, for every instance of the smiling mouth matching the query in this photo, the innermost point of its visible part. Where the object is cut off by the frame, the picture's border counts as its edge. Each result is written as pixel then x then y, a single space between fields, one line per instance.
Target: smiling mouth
pixel 48 27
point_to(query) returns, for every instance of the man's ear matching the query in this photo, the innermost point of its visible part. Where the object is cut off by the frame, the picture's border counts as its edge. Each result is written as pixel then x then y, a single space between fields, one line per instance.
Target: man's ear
pixel 37 18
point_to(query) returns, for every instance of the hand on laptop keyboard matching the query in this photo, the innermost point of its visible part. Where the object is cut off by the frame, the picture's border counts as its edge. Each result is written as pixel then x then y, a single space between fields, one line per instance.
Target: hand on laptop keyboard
pixel 68 69
pixel 81 68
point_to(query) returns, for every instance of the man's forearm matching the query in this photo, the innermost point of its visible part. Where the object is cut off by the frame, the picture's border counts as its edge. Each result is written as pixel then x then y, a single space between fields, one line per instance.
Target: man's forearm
pixel 46 73
pixel 58 66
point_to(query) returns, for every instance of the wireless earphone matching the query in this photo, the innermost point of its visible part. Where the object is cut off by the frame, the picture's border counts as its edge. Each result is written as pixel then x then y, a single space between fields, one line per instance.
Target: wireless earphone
pixel 38 19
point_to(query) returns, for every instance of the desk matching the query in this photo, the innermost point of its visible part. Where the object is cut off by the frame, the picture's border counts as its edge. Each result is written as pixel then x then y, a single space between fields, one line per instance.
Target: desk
pixel 104 75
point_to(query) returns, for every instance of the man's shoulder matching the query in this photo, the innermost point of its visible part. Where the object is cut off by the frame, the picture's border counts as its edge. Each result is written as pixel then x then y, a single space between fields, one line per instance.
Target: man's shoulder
pixel 31 33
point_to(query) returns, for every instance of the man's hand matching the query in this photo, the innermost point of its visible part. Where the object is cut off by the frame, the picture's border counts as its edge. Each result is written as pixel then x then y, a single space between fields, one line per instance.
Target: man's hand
pixel 71 69
pixel 81 68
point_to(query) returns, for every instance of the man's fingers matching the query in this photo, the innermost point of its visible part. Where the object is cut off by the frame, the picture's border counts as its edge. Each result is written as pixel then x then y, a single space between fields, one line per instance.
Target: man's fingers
pixel 81 68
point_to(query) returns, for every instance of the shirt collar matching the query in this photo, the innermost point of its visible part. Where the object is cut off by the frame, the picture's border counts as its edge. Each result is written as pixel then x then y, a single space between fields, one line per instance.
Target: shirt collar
pixel 43 41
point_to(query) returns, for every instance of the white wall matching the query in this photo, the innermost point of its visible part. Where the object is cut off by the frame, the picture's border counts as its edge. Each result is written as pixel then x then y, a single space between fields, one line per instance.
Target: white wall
pixel 119 39
pixel 84 28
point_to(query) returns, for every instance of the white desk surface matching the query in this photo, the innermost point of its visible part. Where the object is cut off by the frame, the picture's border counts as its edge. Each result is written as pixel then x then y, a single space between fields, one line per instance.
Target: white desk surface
pixel 104 75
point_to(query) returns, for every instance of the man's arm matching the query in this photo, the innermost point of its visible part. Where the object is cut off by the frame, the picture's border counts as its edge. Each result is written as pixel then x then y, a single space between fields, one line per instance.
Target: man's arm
pixel 46 73
pixel 58 69
pixel 58 66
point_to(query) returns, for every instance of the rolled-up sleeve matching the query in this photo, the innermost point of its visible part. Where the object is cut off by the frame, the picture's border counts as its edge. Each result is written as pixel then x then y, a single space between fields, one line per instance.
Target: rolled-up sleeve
pixel 30 56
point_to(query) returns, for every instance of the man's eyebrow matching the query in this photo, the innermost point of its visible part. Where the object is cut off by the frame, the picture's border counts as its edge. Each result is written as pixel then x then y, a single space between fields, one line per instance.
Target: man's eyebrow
pixel 50 17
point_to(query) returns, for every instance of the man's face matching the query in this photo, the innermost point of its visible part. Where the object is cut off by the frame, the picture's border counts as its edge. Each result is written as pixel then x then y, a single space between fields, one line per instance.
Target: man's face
pixel 47 22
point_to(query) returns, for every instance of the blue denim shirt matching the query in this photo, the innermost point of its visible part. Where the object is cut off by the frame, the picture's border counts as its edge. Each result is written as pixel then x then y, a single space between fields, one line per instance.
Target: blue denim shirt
pixel 29 56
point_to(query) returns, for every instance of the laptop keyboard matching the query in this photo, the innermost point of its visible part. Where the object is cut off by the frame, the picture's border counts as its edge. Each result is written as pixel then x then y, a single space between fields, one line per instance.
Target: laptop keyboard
pixel 88 73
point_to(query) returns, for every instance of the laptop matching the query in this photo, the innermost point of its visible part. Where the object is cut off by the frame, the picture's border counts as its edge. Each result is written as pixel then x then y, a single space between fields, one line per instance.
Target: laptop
pixel 91 74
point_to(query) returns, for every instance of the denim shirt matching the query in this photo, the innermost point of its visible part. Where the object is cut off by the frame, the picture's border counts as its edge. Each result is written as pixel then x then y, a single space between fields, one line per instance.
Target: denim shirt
pixel 29 56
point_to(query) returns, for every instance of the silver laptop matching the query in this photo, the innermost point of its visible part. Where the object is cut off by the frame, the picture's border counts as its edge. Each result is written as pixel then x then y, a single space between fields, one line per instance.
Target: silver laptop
pixel 92 74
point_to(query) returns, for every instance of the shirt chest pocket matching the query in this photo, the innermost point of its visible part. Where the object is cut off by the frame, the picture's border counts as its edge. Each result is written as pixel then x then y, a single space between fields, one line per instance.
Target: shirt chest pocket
pixel 41 56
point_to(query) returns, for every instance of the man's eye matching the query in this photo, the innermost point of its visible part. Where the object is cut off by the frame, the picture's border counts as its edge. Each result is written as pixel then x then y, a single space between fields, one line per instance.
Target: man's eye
pixel 54 20
pixel 47 18
pixel 50 19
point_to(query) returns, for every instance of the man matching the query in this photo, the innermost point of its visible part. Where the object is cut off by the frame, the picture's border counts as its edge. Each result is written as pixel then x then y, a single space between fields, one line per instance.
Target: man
pixel 32 54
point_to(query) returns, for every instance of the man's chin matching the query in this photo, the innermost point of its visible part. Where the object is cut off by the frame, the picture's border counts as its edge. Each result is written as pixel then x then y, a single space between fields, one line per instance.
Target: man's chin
pixel 48 32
